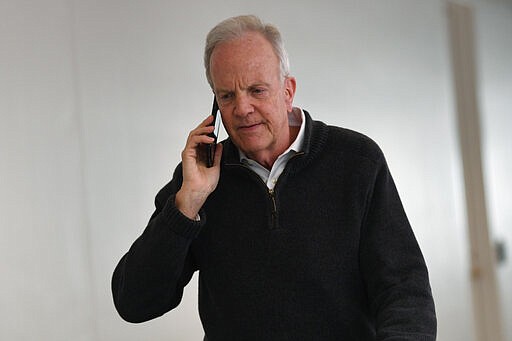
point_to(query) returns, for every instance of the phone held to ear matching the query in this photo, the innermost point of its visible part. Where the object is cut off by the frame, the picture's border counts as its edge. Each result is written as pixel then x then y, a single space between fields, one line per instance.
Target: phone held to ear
pixel 210 148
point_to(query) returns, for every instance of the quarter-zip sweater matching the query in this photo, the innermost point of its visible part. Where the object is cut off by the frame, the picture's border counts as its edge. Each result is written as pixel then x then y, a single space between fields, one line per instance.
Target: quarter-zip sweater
pixel 327 255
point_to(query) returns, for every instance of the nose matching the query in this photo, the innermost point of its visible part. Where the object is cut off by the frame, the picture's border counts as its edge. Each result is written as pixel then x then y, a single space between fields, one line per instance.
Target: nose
pixel 243 106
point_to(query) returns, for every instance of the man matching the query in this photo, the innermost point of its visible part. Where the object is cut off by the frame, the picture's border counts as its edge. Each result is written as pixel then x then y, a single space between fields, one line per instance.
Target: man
pixel 297 230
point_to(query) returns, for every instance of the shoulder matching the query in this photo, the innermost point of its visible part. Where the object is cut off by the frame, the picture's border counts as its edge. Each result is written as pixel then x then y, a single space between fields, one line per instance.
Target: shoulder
pixel 355 142
pixel 340 144
pixel 349 142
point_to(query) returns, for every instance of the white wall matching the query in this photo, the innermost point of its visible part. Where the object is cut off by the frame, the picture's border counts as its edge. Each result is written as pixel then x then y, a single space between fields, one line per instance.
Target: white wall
pixel 45 291
pixel 97 98
pixel 494 36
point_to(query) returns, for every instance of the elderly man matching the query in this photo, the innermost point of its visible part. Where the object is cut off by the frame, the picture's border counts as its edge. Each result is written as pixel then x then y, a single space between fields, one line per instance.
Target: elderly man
pixel 297 230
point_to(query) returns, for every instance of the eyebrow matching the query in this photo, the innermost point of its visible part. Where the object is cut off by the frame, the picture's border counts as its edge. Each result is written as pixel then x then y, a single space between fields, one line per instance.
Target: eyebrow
pixel 259 84
pixel 251 86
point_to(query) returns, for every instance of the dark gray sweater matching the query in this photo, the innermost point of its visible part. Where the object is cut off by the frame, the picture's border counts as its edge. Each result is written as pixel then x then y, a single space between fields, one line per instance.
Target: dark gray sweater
pixel 329 255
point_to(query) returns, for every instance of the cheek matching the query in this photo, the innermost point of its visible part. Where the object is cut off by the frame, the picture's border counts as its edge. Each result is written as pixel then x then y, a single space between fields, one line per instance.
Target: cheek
pixel 227 122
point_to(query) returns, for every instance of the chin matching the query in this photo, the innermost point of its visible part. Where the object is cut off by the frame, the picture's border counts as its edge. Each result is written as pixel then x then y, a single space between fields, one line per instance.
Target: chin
pixel 249 149
pixel 251 145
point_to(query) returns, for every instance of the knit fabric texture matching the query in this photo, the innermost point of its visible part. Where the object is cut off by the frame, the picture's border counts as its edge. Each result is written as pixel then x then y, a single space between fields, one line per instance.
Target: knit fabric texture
pixel 328 255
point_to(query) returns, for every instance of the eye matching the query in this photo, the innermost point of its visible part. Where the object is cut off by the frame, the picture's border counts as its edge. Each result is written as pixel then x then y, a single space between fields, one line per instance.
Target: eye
pixel 225 97
pixel 258 92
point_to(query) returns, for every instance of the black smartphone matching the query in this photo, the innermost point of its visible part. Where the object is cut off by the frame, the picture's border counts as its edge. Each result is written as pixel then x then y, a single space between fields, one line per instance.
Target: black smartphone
pixel 210 148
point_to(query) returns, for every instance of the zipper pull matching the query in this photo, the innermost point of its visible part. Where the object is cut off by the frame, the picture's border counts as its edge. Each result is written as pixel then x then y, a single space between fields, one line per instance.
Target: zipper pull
pixel 274 207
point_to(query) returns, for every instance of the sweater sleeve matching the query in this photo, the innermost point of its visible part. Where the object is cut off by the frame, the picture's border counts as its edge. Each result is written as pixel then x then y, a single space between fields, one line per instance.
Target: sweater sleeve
pixel 149 279
pixel 393 267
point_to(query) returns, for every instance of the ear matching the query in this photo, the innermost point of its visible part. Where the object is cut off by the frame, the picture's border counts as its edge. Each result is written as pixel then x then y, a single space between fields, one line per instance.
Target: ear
pixel 290 85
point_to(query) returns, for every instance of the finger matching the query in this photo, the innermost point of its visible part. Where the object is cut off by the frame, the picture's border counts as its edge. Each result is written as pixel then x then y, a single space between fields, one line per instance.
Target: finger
pixel 199 133
pixel 202 130
pixel 199 136
pixel 195 140
pixel 208 120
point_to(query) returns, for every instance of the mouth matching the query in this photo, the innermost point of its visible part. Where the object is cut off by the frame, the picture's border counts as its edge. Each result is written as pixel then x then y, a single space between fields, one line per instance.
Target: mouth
pixel 249 127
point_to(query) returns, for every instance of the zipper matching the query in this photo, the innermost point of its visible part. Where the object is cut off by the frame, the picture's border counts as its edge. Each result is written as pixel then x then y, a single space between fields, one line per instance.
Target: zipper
pixel 273 212
pixel 270 191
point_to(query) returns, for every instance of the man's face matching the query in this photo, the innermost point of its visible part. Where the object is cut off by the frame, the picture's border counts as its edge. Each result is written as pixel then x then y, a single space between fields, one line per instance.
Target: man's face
pixel 253 97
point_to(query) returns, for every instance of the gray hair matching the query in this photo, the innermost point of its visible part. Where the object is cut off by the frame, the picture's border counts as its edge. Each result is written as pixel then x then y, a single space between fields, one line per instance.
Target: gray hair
pixel 236 27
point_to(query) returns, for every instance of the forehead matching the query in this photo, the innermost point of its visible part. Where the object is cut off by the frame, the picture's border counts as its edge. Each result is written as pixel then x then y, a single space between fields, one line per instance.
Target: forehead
pixel 248 55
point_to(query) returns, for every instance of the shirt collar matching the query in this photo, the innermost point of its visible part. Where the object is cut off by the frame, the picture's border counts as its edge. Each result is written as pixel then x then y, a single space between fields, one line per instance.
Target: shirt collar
pixel 296 118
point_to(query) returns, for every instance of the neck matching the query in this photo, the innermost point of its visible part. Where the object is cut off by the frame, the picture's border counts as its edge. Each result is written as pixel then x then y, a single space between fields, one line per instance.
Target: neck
pixel 268 158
